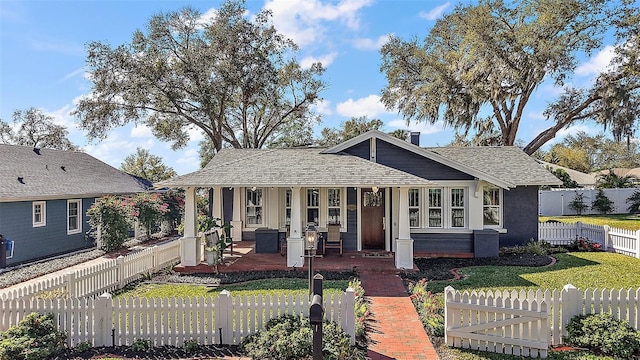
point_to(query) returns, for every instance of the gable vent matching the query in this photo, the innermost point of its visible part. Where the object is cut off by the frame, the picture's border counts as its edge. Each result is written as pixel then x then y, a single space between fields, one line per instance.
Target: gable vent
pixel 20 179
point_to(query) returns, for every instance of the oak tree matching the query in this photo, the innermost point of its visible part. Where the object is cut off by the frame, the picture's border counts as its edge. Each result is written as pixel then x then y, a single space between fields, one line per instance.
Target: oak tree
pixel 233 78
pixel 479 66
pixel 37 129
pixel 147 166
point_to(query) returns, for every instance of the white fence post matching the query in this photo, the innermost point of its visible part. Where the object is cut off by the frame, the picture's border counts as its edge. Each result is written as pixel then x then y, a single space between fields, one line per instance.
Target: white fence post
pixel 448 315
pixel 348 314
pixel 223 309
pixel 70 283
pixel 154 253
pixel 607 237
pixel 578 230
pixel 571 305
pixel 121 275
pixel 103 320
pixel 637 244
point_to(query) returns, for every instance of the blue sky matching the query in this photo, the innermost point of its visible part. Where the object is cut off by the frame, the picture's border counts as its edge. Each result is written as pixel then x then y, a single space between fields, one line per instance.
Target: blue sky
pixel 42 58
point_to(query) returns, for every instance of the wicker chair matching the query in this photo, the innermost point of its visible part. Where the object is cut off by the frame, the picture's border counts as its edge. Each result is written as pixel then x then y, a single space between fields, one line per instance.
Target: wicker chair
pixel 334 239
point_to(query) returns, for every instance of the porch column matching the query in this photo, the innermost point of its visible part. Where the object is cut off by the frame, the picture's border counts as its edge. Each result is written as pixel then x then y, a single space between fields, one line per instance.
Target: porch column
pixel 217 203
pixel 295 241
pixel 404 243
pixel 236 231
pixel 189 249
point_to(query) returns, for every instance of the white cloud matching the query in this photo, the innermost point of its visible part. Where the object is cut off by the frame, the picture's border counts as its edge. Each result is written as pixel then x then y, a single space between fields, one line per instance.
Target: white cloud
pixel 368 106
pixel 323 107
pixel 195 134
pixel 114 149
pixel 74 73
pixel 423 127
pixel 598 63
pixel 371 44
pixel 306 21
pixel 326 60
pixel 208 16
pixel 434 13
pixel 141 131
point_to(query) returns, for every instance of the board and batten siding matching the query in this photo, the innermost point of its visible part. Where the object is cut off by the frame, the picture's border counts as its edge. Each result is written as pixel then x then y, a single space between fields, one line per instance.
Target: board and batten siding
pixel 33 243
pixel 442 242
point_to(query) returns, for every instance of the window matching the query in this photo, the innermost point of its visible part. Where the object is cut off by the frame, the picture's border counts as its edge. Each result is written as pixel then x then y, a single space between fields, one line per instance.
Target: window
pixel 254 206
pixel 39 213
pixel 435 208
pixel 491 206
pixel 333 205
pixel 74 216
pixel 287 207
pixel 313 206
pixel 414 208
pixel 457 208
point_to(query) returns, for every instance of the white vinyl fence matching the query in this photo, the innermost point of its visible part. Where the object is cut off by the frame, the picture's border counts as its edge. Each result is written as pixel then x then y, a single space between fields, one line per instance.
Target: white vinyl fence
pixel 526 323
pixel 556 202
pixel 104 321
pixel 108 276
pixel 621 241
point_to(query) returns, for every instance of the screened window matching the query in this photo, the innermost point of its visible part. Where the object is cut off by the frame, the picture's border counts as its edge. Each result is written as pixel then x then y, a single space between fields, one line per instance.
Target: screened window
pixel 254 206
pixel 313 205
pixel 457 208
pixel 491 206
pixel 435 208
pixel 334 205
pixel 74 216
pixel 39 213
pixel 414 208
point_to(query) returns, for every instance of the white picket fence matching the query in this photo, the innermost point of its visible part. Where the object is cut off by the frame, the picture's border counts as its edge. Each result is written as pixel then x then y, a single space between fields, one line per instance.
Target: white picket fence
pixel 107 276
pixel 526 323
pixel 621 241
pixel 104 321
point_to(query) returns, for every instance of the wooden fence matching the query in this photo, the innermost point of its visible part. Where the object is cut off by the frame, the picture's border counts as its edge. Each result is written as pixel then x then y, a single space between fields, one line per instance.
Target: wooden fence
pixel 526 323
pixel 107 276
pixel 621 241
pixel 104 321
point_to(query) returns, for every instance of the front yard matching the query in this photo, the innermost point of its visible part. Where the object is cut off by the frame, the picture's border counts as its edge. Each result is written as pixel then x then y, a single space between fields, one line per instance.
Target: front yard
pixel 620 221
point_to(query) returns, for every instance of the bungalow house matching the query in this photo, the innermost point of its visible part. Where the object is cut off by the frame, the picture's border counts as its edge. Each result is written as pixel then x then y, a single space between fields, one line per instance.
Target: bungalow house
pixel 44 195
pixel 386 194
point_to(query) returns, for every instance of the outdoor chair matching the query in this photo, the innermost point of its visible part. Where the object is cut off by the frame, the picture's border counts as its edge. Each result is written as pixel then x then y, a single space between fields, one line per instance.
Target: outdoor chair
pixel 334 239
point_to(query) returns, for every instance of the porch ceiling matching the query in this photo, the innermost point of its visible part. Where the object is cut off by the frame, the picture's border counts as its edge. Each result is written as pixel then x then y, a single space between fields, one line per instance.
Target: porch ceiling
pixel 305 167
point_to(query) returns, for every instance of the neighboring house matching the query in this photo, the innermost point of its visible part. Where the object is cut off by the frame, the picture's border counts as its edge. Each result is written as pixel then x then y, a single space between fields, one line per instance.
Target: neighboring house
pixel 387 194
pixel 587 181
pixel 45 194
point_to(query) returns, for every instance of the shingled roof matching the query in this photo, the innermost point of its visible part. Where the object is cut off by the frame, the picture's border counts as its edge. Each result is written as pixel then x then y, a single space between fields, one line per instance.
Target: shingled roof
pixel 292 167
pixel 36 174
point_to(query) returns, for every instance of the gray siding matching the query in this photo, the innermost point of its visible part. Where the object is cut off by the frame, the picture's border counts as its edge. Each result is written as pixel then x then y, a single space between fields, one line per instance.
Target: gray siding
pixel 520 215
pixel 350 238
pixel 33 243
pixel 361 150
pixel 448 243
pixel 412 163
pixel 227 204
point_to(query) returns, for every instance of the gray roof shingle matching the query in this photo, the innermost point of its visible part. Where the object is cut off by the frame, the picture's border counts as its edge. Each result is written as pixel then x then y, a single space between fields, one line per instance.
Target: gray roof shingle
pixel 292 167
pixel 58 174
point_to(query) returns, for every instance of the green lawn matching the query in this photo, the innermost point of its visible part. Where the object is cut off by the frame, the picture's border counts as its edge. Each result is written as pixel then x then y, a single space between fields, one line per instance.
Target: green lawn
pixel 582 269
pixel 255 287
pixel 621 221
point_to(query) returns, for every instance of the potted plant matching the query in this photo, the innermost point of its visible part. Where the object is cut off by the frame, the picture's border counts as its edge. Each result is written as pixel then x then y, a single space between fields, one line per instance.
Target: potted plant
pixel 215 240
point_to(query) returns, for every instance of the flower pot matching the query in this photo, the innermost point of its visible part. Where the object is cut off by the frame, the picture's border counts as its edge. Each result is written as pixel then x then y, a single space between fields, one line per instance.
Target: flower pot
pixel 212 257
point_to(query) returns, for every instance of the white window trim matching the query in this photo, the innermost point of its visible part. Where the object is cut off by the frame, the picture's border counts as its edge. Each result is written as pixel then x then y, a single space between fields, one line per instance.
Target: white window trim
pixel 441 208
pixel 500 208
pixel 79 229
pixel 445 207
pixel 43 213
pixel 343 222
pixel 419 207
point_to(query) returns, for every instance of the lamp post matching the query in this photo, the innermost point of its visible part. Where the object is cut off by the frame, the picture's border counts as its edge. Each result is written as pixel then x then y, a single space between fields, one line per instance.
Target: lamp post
pixel 311 237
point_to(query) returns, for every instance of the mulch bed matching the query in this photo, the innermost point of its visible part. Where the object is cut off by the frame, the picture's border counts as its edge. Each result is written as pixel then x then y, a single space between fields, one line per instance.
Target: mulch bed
pixel 163 352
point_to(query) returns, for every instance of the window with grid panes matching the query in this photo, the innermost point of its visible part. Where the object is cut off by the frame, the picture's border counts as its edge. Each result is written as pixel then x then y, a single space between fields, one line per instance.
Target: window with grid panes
pixel 414 208
pixel 457 208
pixel 435 208
pixel 333 205
pixel 491 206
pixel 313 206
pixel 254 207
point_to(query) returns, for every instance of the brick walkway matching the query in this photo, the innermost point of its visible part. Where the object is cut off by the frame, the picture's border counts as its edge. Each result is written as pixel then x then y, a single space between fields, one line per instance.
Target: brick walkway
pixel 396 331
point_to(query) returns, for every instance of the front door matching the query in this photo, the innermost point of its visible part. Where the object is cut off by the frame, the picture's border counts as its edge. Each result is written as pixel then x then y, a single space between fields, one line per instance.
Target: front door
pixel 372 219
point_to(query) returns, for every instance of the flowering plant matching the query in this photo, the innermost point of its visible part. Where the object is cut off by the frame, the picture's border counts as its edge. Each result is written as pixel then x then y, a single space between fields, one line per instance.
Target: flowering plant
pixel 584 244
pixel 430 311
pixel 108 217
pixel 148 209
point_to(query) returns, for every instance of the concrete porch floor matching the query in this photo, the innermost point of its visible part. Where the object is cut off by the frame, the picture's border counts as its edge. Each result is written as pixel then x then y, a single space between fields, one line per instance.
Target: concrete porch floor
pixel 244 258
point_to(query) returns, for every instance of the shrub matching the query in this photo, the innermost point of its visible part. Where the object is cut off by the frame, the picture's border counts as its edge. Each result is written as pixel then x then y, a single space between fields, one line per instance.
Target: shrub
pixel 108 218
pixel 141 345
pixel 289 337
pixel 634 202
pixel 577 204
pixel 35 337
pixel 540 247
pixel 602 203
pixel 148 209
pixel 603 333
pixel 361 308
pixel 190 346
pixel 583 244
pixel 430 311
pixel 82 347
